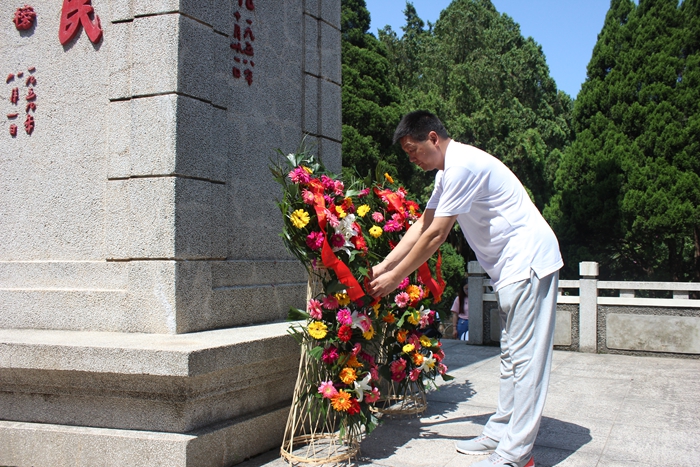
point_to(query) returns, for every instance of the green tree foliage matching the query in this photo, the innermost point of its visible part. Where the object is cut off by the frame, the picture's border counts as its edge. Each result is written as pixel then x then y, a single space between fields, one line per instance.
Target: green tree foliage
pixel 371 100
pixel 489 85
pixel 628 188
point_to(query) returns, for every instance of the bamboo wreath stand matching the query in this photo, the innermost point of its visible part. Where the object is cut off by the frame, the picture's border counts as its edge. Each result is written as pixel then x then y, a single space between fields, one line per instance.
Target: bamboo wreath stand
pixel 315 434
pixel 399 399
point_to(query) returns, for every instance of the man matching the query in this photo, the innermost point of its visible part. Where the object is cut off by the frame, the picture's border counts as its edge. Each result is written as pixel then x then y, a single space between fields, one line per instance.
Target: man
pixel 519 251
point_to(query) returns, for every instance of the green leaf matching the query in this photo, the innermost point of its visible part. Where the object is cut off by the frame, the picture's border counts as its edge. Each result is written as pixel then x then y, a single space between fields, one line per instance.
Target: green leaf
pixel 295 314
pixel 316 352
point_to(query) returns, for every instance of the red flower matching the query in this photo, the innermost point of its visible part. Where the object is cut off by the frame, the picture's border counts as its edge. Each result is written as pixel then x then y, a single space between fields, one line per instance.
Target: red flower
pixel 359 243
pixel 354 407
pixel 345 333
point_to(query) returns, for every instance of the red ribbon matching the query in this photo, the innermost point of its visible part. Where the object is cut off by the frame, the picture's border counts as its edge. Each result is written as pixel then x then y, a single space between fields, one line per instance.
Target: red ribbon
pixel 328 257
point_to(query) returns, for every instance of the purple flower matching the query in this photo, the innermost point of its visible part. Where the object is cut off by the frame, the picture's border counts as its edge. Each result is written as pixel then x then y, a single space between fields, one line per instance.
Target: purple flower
pixel 344 316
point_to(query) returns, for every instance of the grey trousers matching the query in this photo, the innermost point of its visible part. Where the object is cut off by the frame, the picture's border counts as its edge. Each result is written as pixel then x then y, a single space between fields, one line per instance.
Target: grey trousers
pixel 527 310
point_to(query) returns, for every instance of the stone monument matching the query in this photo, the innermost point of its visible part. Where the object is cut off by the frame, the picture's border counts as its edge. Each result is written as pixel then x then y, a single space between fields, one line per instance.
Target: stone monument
pixel 143 284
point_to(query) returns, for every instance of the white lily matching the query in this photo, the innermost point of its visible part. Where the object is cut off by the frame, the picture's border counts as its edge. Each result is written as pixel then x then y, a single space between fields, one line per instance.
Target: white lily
pixel 362 386
pixel 428 363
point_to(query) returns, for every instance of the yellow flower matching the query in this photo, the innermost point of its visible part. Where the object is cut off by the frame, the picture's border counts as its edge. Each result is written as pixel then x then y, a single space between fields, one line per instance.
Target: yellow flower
pixel 388 178
pixel 353 362
pixel 413 318
pixel 341 401
pixel 375 231
pixel 317 330
pixel 308 170
pixel 401 336
pixel 348 375
pixel 369 334
pixel 408 348
pixel 342 298
pixel 341 212
pixel 300 218
pixel 363 210
pixel 376 307
pixel 425 341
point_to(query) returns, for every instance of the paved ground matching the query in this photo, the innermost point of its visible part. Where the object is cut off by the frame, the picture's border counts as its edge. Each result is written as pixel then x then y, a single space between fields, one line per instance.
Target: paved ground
pixel 602 411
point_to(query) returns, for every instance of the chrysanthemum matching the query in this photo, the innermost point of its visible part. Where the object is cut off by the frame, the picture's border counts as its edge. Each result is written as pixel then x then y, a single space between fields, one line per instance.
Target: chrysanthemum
pixel 317 329
pixel 337 240
pixel 389 318
pixel 327 389
pixel 403 284
pixel 442 369
pixel 353 362
pixel 315 240
pixel 369 334
pixel 342 298
pixel 314 308
pixel 364 192
pixel 345 333
pixel 415 292
pixel 341 212
pixel 307 197
pixel 363 210
pixel 330 302
pixel 402 299
pixel 299 175
pixel 413 317
pixel 348 375
pixel 417 359
pixel 341 401
pixel 375 231
pixel 408 348
pixel 399 376
pixel 299 218
pixel 344 316
pixel 392 226
pixel 414 374
pixel 377 216
pixel 388 178
pixel 401 336
pixel 372 397
pixel 425 341
pixel 354 407
pixel 398 365
pixel 376 308
pixel 330 355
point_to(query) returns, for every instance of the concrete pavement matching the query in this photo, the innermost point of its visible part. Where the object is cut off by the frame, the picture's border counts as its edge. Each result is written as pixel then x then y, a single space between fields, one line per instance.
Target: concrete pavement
pixel 601 411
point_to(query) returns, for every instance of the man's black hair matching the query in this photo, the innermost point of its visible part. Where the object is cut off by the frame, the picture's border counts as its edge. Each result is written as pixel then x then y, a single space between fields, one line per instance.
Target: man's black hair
pixel 418 124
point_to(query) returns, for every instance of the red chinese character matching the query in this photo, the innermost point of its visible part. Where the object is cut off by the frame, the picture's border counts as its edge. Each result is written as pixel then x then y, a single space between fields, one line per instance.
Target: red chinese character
pixel 29 124
pixel 248 76
pixel 24 18
pixel 248 34
pixel 10 77
pixel 237 47
pixel 73 14
pixel 13 130
pixel 236 32
pixel 12 115
pixel 248 4
pixel 14 98
pixel 236 72
pixel 237 15
pixel 31 106
pixel 31 80
pixel 30 95
pixel 248 49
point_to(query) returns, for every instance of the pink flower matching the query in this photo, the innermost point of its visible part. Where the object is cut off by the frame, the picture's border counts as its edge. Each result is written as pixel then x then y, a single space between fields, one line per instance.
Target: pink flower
pixel 398 218
pixel 377 216
pixel 374 373
pixel 398 377
pixel 414 374
pixel 332 219
pixel 402 299
pixel 337 240
pixel 392 226
pixel 404 283
pixel 363 193
pixel 330 355
pixel 344 317
pixel 328 183
pixel 367 357
pixel 415 340
pixel 425 320
pixel 327 389
pixel 372 397
pixel 339 187
pixel 328 198
pixel 356 349
pixel 442 369
pixel 315 240
pixel 398 366
pixel 315 309
pixel 308 197
pixel 299 175
pixel 330 302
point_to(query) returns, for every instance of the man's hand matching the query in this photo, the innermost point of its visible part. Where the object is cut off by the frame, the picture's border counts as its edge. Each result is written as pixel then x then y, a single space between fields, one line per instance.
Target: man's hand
pixel 383 284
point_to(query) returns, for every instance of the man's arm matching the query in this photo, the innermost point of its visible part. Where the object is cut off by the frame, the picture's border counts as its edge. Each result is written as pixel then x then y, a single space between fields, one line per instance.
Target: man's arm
pixel 405 244
pixel 429 240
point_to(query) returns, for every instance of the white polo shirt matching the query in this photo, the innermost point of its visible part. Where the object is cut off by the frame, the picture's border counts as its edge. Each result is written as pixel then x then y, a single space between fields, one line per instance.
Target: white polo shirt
pixel 501 224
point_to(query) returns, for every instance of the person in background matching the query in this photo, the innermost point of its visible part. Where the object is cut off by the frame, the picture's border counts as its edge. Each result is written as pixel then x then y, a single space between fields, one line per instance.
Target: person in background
pixel 460 313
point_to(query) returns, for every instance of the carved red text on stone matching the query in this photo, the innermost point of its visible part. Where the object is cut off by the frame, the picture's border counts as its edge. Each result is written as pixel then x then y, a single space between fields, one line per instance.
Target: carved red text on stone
pixel 13 130
pixel 29 124
pixel 24 18
pixel 73 14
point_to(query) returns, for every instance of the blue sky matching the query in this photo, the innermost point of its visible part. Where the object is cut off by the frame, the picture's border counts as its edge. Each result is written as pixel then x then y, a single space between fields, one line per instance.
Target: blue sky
pixel 567 30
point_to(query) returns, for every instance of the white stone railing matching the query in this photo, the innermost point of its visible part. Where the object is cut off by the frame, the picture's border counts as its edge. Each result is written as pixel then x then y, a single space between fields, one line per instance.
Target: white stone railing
pixel 631 322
